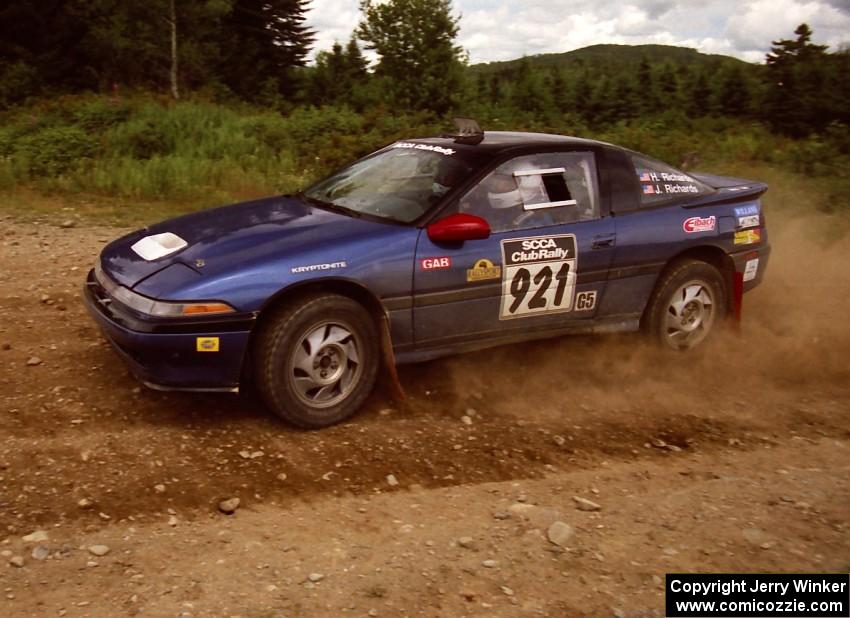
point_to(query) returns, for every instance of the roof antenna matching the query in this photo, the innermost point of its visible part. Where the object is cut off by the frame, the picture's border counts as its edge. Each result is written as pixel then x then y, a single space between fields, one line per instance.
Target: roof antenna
pixel 468 132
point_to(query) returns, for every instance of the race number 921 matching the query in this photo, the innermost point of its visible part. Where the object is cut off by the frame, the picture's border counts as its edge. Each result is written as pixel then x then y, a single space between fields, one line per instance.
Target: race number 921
pixel 539 275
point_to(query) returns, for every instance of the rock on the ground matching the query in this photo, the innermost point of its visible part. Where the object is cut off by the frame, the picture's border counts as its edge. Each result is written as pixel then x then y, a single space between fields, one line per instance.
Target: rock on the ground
pixel 490 564
pixel 40 552
pixel 315 577
pixel 392 481
pixel 467 542
pixel 229 506
pixel 583 504
pixel 34 361
pixel 98 550
pixel 560 533
pixel 39 536
pixel 538 516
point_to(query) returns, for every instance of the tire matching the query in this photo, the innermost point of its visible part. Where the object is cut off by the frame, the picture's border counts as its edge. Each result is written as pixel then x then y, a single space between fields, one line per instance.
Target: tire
pixel 688 304
pixel 317 360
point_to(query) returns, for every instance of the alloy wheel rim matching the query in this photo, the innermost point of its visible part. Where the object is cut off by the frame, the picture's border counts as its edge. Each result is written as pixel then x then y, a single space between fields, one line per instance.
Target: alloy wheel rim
pixel 689 316
pixel 326 364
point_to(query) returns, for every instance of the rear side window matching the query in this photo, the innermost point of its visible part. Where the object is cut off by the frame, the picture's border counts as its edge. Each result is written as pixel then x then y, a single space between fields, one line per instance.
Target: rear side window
pixel 537 190
pixel 661 183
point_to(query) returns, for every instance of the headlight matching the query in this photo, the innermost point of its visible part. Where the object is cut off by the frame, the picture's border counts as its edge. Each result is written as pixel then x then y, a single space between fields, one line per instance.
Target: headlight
pixel 157 308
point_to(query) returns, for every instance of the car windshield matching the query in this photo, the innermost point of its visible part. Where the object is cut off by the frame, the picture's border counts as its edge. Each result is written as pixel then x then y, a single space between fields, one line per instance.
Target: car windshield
pixel 399 183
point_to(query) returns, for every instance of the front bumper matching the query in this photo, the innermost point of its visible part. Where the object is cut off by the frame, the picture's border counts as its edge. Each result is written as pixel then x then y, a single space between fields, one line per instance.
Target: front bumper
pixel 165 354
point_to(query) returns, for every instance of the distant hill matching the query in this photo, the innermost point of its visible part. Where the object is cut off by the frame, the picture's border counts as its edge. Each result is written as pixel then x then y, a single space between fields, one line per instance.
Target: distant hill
pixel 619 56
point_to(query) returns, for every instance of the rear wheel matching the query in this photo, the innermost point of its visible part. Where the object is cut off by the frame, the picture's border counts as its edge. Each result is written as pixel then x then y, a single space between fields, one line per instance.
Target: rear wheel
pixel 316 360
pixel 689 303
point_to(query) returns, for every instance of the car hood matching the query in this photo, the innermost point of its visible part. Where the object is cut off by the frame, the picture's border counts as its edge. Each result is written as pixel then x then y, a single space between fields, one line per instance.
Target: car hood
pixel 240 233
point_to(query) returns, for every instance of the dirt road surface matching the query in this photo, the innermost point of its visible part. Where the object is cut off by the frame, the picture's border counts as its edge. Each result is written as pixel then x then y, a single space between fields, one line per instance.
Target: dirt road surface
pixel 733 459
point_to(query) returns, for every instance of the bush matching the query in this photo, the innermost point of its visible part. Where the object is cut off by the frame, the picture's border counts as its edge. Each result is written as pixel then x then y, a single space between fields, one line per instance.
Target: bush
pixel 55 150
pixel 197 150
pixel 98 115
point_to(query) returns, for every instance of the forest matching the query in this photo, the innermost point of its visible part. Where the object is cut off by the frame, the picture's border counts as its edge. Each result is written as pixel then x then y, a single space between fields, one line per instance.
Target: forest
pixel 198 101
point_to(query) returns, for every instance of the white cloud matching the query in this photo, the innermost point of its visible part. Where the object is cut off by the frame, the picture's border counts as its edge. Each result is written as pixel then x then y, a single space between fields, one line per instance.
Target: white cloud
pixel 502 30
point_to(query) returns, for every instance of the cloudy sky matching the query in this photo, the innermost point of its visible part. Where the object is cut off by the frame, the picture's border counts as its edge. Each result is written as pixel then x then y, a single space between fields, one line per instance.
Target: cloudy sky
pixel 503 30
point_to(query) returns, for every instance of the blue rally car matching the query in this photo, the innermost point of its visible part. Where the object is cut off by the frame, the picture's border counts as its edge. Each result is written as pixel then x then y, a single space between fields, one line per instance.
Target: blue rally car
pixel 425 248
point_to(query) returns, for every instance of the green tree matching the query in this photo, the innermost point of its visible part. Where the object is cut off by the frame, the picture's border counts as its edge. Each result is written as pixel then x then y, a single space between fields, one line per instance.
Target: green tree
pixel 262 43
pixel 646 88
pixel 796 76
pixel 338 75
pixel 734 97
pixel 420 66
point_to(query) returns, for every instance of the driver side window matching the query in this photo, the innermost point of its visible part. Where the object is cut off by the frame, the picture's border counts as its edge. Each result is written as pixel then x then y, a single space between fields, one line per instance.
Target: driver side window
pixel 535 191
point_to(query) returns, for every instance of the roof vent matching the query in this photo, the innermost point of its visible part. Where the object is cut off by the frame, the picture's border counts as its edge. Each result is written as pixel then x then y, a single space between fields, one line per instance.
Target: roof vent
pixel 468 132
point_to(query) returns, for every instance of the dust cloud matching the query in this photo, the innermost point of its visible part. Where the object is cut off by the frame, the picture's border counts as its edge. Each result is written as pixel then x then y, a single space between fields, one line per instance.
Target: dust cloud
pixel 795 338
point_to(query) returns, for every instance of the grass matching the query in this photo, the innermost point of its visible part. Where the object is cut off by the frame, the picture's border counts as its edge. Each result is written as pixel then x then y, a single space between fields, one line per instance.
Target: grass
pixel 138 160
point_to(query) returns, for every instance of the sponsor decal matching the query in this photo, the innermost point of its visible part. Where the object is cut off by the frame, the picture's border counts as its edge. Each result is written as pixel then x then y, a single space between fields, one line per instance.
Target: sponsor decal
pixel 297 270
pixel 743 211
pixel 207 344
pixel 437 263
pixel 483 270
pixel 747 237
pixel 586 301
pixel 539 275
pixel 749 221
pixel 751 269
pixel 699 224
pixel 428 147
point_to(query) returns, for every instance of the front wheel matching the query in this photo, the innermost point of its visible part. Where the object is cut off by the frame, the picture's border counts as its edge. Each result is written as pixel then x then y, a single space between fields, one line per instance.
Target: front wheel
pixel 687 305
pixel 317 360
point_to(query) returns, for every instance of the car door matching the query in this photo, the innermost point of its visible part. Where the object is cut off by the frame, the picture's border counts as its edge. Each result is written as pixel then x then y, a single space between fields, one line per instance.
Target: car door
pixel 544 265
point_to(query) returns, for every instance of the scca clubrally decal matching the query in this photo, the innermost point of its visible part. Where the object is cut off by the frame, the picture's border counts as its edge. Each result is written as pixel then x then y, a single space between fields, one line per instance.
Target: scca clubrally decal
pixel 539 275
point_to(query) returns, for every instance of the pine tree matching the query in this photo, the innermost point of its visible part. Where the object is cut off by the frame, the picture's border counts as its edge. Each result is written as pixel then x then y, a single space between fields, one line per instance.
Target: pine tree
pixel 795 78
pixel 263 40
pixel 734 96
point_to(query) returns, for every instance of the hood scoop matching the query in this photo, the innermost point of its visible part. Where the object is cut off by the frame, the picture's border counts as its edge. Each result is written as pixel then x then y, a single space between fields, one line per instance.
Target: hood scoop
pixel 158 246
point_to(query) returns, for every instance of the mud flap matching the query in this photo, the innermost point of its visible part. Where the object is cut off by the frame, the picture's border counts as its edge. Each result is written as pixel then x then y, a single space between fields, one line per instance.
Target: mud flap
pixel 389 360
pixel 737 300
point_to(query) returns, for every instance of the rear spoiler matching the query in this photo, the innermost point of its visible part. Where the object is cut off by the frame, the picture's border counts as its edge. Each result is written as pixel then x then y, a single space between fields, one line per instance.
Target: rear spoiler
pixel 729 190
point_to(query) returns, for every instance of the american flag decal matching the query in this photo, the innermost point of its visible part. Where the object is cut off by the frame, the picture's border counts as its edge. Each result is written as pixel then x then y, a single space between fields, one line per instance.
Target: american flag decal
pixel 645 177
pixel 648 190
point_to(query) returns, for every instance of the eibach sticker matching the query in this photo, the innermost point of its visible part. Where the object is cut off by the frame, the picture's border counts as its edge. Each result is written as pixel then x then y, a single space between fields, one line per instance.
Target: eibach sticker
pixel 699 224
pixel 436 263
pixel 538 276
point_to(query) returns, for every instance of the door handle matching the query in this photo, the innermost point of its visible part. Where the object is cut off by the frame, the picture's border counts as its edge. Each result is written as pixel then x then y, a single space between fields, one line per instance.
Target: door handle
pixel 603 242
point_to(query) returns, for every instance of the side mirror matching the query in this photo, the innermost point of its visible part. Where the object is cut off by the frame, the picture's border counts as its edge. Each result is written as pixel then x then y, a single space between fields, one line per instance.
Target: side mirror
pixel 458 228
